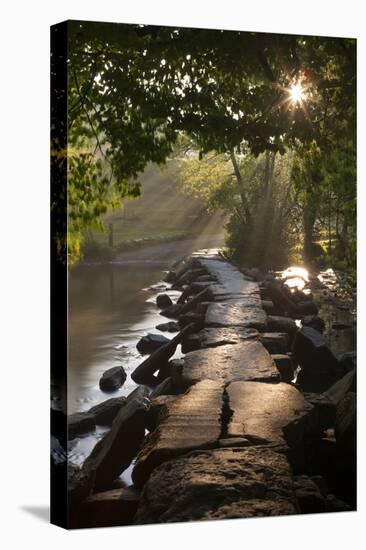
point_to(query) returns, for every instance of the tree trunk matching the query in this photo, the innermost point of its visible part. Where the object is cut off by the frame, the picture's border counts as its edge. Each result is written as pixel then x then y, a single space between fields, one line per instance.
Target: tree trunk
pixel 308 221
pixel 241 188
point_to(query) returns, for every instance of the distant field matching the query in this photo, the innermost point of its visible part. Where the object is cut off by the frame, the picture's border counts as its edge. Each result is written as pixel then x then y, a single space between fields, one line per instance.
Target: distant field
pixel 162 212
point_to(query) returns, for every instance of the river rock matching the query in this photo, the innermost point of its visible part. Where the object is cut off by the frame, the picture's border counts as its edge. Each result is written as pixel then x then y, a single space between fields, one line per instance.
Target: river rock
pixel 151 342
pixel 163 301
pixel 206 279
pixel 277 323
pixel 191 343
pixel 118 447
pixel 269 308
pixel 281 298
pixel 104 413
pixel 191 318
pixel 307 308
pixel 248 360
pixel 170 326
pixel 202 307
pixel 319 367
pixel 172 312
pixel 198 287
pixel 109 508
pixel 139 393
pixel 170 277
pixel 79 423
pixel 324 410
pixel 175 373
pixel 267 413
pixel 191 305
pixel 314 322
pixel 186 293
pixel 275 342
pixel 192 421
pixel 164 388
pixel 348 361
pixel 158 408
pixel 219 484
pixel 285 366
pixel 340 389
pixel 213 337
pixel 158 360
pixel 112 379
pixel 299 296
pixel 236 313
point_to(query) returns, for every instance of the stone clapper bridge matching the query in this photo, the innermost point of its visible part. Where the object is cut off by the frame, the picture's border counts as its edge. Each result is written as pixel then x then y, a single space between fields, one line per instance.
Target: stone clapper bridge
pixel 227 427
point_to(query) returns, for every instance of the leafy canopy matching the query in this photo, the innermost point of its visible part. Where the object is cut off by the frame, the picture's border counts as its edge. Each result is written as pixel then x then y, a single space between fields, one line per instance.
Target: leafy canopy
pixel 134 89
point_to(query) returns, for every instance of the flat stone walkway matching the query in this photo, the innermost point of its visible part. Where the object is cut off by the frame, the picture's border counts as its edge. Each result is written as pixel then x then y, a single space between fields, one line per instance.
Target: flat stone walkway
pixel 217 451
pixel 219 484
pixel 192 421
pixel 247 360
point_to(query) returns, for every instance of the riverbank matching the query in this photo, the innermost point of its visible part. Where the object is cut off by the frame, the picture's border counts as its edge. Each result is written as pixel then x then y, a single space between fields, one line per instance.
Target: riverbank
pixel 231 432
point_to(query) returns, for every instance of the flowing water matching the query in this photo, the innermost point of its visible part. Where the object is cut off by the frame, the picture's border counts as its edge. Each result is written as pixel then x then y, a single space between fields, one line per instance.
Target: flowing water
pixel 110 308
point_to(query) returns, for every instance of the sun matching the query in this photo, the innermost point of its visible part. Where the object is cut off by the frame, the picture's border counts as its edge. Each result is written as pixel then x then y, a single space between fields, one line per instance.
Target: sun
pixel 296 93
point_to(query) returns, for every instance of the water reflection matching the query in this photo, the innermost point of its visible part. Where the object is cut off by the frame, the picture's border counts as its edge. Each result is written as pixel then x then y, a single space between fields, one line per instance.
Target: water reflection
pixel 295 277
pixel 339 315
pixel 110 308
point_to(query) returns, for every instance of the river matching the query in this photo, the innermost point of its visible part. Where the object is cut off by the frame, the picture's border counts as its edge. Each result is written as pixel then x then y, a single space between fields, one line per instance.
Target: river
pixel 112 305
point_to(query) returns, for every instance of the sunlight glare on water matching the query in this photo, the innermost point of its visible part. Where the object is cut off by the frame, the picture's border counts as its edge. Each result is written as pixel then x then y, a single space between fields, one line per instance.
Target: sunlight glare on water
pixel 295 277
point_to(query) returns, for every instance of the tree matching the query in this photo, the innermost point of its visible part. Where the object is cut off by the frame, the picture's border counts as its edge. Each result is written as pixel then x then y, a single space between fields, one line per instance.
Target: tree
pixel 134 89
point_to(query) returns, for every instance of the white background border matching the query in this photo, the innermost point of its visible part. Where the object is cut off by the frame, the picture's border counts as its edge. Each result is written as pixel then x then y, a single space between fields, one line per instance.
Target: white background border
pixel 24 274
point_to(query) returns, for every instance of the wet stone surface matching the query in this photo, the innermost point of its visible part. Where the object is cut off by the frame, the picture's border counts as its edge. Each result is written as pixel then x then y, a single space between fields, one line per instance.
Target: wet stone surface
pixel 248 360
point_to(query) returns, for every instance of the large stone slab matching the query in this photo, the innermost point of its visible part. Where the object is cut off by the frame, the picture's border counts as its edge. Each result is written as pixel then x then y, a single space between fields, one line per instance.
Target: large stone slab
pixel 192 421
pixel 320 368
pixel 118 447
pixel 212 337
pixel 267 413
pixel 104 413
pixel 219 484
pixel 224 291
pixel 236 313
pixel 230 281
pixel 248 360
